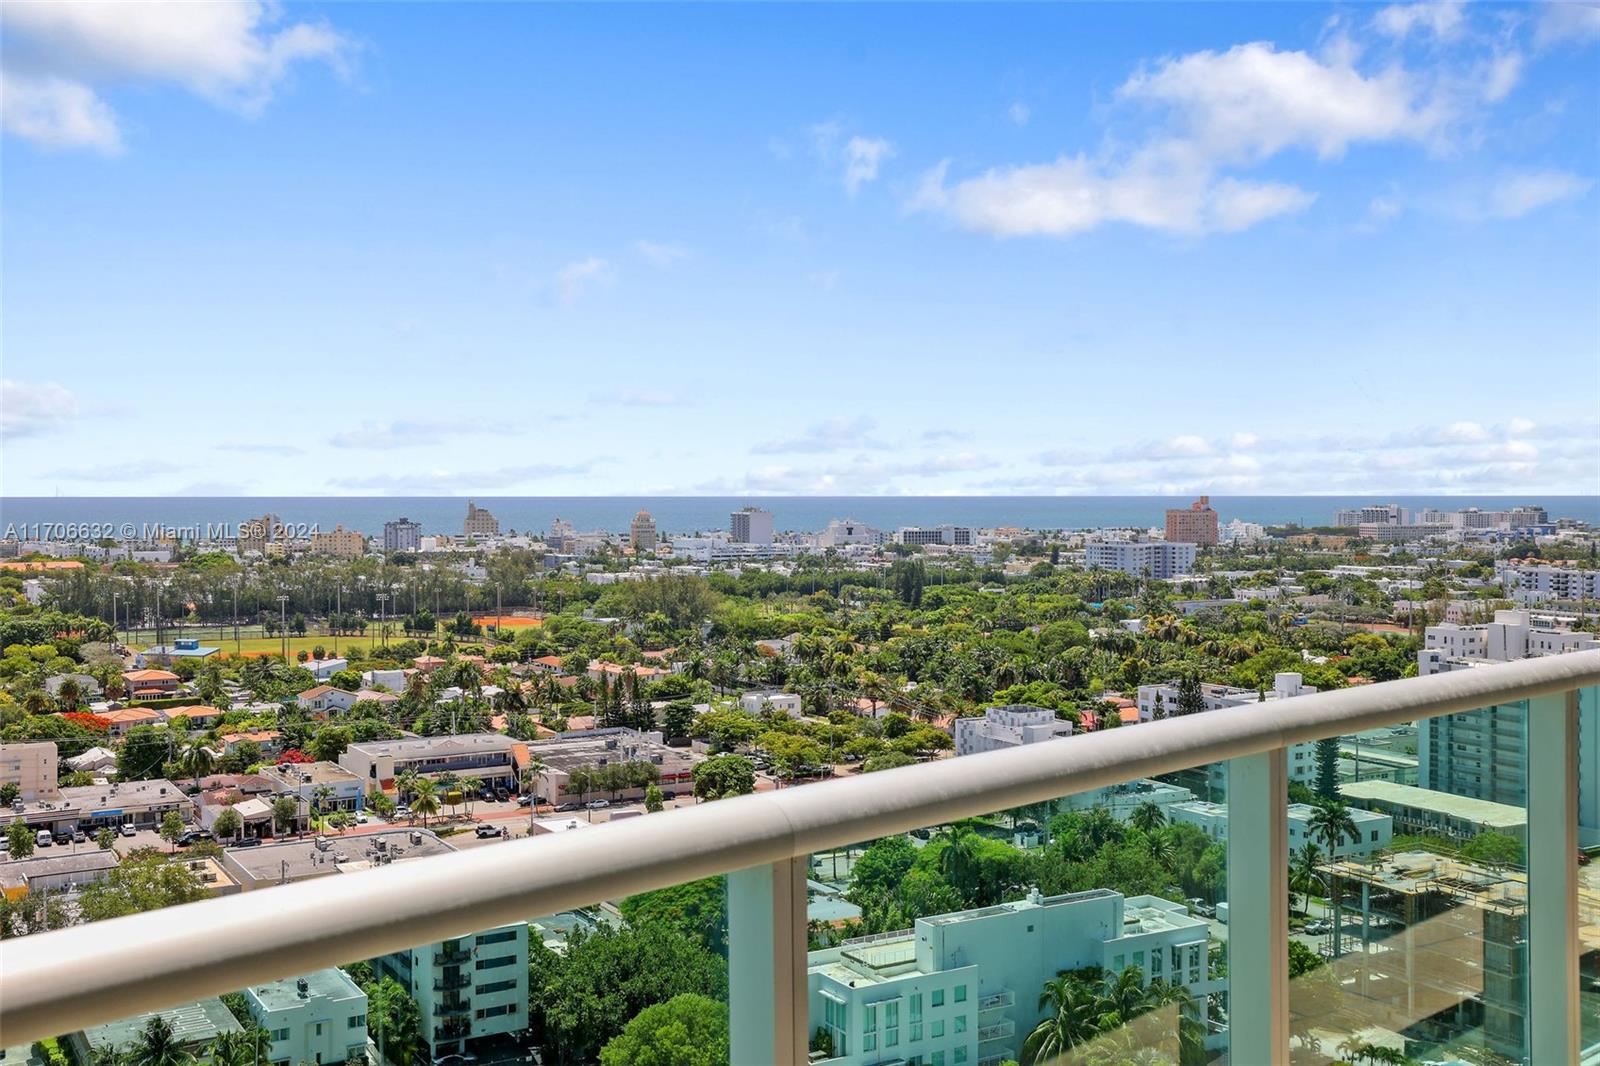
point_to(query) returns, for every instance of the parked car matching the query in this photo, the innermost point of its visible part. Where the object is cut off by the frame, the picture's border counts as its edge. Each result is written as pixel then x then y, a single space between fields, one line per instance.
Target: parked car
pixel 79 836
pixel 568 807
pixel 502 795
pixel 193 836
pixel 524 801
pixel 128 830
pixel 669 795
pixel 362 819
pixel 63 836
pixel 483 832
pixel 43 839
pixel 246 842
pixel 599 805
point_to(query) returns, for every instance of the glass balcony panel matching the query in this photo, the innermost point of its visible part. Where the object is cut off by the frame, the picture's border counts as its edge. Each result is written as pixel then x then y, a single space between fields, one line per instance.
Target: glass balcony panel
pixel 1072 931
pixel 1408 932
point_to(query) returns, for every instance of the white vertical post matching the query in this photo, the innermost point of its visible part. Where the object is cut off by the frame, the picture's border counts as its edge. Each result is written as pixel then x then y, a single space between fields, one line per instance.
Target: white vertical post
pixel 766 963
pixel 1258 908
pixel 1552 934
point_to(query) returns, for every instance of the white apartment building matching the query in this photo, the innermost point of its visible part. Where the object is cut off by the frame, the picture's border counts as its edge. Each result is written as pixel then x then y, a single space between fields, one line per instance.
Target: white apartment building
pixel 321 1017
pixel 1008 727
pixel 1538 582
pixel 467 988
pixel 963 988
pixel 1285 685
pixel 750 525
pixel 780 702
pixel 1121 800
pixel 954 536
pixel 1157 559
pixel 1373 830
pixel 1239 531
pixel 1482 753
pixel 842 532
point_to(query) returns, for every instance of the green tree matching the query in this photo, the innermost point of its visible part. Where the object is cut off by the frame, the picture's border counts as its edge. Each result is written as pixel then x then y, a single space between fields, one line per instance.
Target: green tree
pixel 19 839
pixel 158 1045
pixel 722 776
pixel 145 880
pixel 686 1030
pixel 229 824
pixel 698 909
pixel 1147 817
pixel 285 814
pixel 1327 768
pixel 171 828
pixel 653 800
pixel 105 838
pixel 393 1020
pixel 425 799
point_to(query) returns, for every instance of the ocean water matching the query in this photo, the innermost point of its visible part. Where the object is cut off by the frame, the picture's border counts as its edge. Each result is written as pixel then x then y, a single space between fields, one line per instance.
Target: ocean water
pixel 687 514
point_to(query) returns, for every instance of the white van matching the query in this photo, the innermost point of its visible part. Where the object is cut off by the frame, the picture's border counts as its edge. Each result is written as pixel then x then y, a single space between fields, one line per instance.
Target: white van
pixel 43 839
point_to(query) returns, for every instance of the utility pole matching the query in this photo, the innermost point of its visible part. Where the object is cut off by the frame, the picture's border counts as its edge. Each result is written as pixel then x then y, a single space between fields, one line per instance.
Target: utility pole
pixel 338 615
pixel 283 624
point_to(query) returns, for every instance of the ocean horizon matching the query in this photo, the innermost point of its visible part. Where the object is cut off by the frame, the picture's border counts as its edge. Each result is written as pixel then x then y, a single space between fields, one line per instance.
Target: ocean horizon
pixel 688 514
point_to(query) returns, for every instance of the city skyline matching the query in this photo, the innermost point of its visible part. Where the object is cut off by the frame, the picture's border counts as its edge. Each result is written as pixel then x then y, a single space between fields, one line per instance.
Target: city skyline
pixel 1172 250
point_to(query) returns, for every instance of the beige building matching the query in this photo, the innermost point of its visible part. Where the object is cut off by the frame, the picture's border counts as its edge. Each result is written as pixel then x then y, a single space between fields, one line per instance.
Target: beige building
pixel 342 543
pixel 642 533
pixel 32 768
pixel 480 523
pixel 1195 524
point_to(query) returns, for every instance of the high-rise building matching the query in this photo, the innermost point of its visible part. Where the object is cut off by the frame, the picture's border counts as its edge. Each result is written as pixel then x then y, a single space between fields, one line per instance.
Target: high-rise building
pixel 1482 753
pixel 402 535
pixel 255 533
pixel 341 543
pixel 480 523
pixel 750 525
pixel 1195 524
pixel 642 532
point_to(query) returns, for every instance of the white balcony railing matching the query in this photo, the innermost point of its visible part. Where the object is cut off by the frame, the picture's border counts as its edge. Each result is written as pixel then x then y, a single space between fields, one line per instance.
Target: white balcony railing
pixel 62 981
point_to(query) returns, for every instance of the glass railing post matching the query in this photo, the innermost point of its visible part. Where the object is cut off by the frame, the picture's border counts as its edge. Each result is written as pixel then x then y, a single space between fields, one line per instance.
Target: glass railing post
pixel 1552 933
pixel 767 963
pixel 1258 908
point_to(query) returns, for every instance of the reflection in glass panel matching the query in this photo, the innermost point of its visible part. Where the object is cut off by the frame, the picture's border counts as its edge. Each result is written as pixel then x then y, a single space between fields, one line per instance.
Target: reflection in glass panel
pixel 1069 931
pixel 1408 931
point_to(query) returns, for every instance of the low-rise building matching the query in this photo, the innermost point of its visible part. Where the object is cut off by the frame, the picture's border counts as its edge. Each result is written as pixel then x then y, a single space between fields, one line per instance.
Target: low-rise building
pixel 303 860
pixel 322 786
pixel 322 669
pixel 964 987
pixel 1007 727
pixel 111 804
pixel 32 767
pixel 488 756
pixel 772 700
pixel 151 684
pixel 596 749
pixel 193 1026
pixel 465 989
pixel 46 871
pixel 341 543
pixel 320 1017
pixel 1373 830
pixel 325 699
pixel 1424 810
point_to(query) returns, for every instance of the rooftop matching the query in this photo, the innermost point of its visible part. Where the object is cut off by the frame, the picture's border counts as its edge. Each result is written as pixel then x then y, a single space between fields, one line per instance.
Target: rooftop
pixel 192 1024
pixel 419 747
pixel 102 799
pixel 18 872
pixel 332 983
pixel 299 859
pixel 1483 812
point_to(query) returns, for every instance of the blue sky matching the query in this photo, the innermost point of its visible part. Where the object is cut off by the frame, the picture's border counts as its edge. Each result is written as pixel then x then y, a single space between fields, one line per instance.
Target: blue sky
pixel 384 248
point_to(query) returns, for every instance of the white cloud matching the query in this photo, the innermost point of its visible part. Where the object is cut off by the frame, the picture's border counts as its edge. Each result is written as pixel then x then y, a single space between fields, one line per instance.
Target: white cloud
pixel 862 157
pixel 1075 194
pixel 578 277
pixel 445 481
pixel 829 435
pixel 1502 74
pixel 1253 101
pixel 1019 113
pixel 1567 21
pixel 410 432
pixel 56 113
pixel 661 254
pixel 1442 20
pixel 644 398
pixel 233 53
pixel 1519 194
pixel 29 409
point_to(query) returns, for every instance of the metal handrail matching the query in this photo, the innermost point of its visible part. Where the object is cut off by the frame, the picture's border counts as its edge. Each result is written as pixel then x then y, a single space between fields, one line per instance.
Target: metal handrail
pixel 55 982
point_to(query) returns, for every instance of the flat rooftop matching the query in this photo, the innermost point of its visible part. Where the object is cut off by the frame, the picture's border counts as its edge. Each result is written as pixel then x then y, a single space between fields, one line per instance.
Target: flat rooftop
pixel 195 1023
pixel 425 747
pixel 309 773
pixel 332 983
pixel 299 859
pixel 17 872
pixel 567 751
pixel 1479 811
pixel 102 799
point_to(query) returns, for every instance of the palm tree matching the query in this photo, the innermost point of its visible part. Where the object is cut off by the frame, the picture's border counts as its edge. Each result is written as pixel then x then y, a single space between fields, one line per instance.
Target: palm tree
pixel 1332 824
pixel 531 773
pixel 69 695
pixel 1303 877
pixel 1124 994
pixel 1073 1014
pixel 471 786
pixel 405 783
pixel 424 799
pixel 108 1055
pixel 158 1046
pixel 232 1049
pixel 320 798
pixel 1148 817
pixel 197 761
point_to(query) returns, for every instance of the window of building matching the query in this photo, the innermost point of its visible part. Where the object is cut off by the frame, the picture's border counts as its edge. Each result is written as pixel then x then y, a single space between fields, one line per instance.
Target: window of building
pixel 1138 959
pixel 916 1007
pixel 280 1034
pixel 498 937
pixel 891 1037
pixel 936 1030
pixel 869 1017
pixel 961 1053
pixel 496 986
pixel 357 1021
pixel 1119 963
pixel 494 964
pixel 495 1012
pixel 869 1042
pixel 319 1028
pixel 916 1032
pixel 937 1059
pixel 961 1023
pixel 936 997
pixel 961 993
